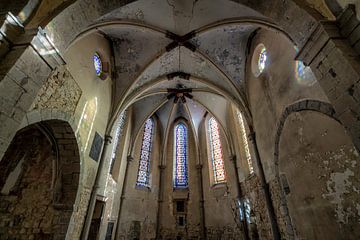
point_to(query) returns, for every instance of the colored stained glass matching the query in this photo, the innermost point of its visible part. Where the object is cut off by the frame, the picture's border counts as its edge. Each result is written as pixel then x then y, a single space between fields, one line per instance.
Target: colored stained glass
pixel 97 64
pixel 216 152
pixel 180 157
pixel 245 142
pixel 262 60
pixel 143 178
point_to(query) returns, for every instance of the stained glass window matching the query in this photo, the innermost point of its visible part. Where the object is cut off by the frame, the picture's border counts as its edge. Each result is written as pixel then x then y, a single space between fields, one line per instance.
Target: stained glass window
pixel 143 178
pixel 262 60
pixel 245 142
pixel 216 152
pixel 180 156
pixel 117 134
pixel 97 64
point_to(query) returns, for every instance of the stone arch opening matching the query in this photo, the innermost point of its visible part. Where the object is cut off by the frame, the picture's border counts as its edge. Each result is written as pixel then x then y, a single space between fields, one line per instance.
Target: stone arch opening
pixel 39 178
pixel 316 168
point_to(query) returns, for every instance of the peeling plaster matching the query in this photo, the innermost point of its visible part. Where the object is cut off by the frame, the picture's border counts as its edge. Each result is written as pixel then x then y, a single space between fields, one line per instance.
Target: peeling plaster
pixel 338 186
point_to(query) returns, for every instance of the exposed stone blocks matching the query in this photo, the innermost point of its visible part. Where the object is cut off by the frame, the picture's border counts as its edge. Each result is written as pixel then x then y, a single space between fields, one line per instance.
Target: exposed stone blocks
pixel 337 69
pixel 59 92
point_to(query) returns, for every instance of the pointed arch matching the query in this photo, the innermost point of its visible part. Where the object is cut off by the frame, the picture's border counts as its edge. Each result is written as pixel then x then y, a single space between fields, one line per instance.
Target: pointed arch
pixel 180 172
pixel 216 152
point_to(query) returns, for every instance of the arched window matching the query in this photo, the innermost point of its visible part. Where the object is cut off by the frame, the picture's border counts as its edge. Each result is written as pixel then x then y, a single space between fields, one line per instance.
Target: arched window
pixel 180 156
pixel 86 122
pixel 117 134
pixel 216 152
pixel 143 178
pixel 245 142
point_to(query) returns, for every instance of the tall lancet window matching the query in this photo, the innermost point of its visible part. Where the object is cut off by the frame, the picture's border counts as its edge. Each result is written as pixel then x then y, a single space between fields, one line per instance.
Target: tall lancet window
pixel 245 142
pixel 180 174
pixel 143 178
pixel 216 152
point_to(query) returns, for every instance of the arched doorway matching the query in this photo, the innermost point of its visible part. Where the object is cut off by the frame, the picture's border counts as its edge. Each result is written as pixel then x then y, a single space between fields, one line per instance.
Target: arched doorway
pixel 39 177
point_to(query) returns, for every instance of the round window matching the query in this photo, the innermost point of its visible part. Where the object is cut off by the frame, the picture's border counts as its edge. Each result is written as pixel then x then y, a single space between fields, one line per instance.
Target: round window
pixel 259 60
pixel 97 64
pixel 262 60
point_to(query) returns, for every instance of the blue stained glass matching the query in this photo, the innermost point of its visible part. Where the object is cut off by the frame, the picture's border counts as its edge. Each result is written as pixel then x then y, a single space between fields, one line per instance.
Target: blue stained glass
pixel 97 64
pixel 216 152
pixel 180 165
pixel 143 178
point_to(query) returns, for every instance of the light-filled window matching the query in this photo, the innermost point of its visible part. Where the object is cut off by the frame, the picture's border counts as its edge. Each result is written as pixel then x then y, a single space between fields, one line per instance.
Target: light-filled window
pixel 262 60
pixel 216 152
pixel 143 178
pixel 245 141
pixel 117 134
pixel 180 174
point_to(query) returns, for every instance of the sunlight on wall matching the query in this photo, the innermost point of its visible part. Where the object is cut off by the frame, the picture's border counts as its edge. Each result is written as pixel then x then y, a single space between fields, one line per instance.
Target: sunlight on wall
pixel 86 122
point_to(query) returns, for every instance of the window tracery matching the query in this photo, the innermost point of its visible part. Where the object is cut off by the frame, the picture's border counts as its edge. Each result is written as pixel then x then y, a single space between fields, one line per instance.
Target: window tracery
pixel 216 152
pixel 180 156
pixel 245 142
pixel 117 134
pixel 143 178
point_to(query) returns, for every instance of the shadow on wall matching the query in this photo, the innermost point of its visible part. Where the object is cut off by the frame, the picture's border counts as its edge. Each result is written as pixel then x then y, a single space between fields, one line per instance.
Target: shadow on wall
pixel 39 176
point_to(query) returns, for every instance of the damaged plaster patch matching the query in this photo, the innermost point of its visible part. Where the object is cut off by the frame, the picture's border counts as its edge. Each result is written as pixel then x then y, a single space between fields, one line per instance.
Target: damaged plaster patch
pixel 337 187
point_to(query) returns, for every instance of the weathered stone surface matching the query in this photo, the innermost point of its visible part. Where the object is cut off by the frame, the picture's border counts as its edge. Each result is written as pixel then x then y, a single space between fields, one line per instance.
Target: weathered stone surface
pixel 59 92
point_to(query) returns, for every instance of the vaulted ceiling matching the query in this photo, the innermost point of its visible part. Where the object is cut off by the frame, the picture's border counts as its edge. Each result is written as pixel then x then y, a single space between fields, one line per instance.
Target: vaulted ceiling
pixel 197 46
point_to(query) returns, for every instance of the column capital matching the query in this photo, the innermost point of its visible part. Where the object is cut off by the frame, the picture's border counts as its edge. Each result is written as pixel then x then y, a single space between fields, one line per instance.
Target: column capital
pixel 108 139
pixel 129 158
pixel 232 158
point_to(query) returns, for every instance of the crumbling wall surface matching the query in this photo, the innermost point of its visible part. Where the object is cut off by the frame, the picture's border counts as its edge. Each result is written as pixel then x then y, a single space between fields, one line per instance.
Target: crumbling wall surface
pixel 26 209
pixel 39 179
pixel 60 92
pixel 321 168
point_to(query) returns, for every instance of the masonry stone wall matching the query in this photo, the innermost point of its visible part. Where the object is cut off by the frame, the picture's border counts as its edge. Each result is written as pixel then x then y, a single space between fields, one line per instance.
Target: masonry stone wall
pixel 35 170
pixel 60 92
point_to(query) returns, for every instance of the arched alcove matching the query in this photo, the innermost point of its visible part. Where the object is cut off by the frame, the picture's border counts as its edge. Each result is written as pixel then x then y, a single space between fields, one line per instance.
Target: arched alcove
pixel 318 171
pixel 39 178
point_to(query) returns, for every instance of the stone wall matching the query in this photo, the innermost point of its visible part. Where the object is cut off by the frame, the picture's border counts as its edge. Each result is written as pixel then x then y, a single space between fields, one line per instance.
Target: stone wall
pixel 39 182
pixel 60 91
pixel 320 162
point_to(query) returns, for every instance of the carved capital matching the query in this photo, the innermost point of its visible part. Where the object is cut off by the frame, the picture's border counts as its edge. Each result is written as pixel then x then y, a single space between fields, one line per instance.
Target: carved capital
pixel 108 139
pixel 130 158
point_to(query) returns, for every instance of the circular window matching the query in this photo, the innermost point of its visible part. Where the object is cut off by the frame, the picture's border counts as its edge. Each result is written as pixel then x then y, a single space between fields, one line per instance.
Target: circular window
pixel 262 60
pixel 259 60
pixel 97 64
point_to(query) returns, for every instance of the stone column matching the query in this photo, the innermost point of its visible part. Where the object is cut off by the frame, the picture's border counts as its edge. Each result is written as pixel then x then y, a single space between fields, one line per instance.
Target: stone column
pixel 122 199
pixel 265 187
pixel 332 52
pixel 91 206
pixel 160 200
pixel 199 168
pixel 240 197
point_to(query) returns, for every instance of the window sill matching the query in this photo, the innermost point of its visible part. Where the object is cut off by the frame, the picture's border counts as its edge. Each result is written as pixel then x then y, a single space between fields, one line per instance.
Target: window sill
pixel 143 188
pixel 219 185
